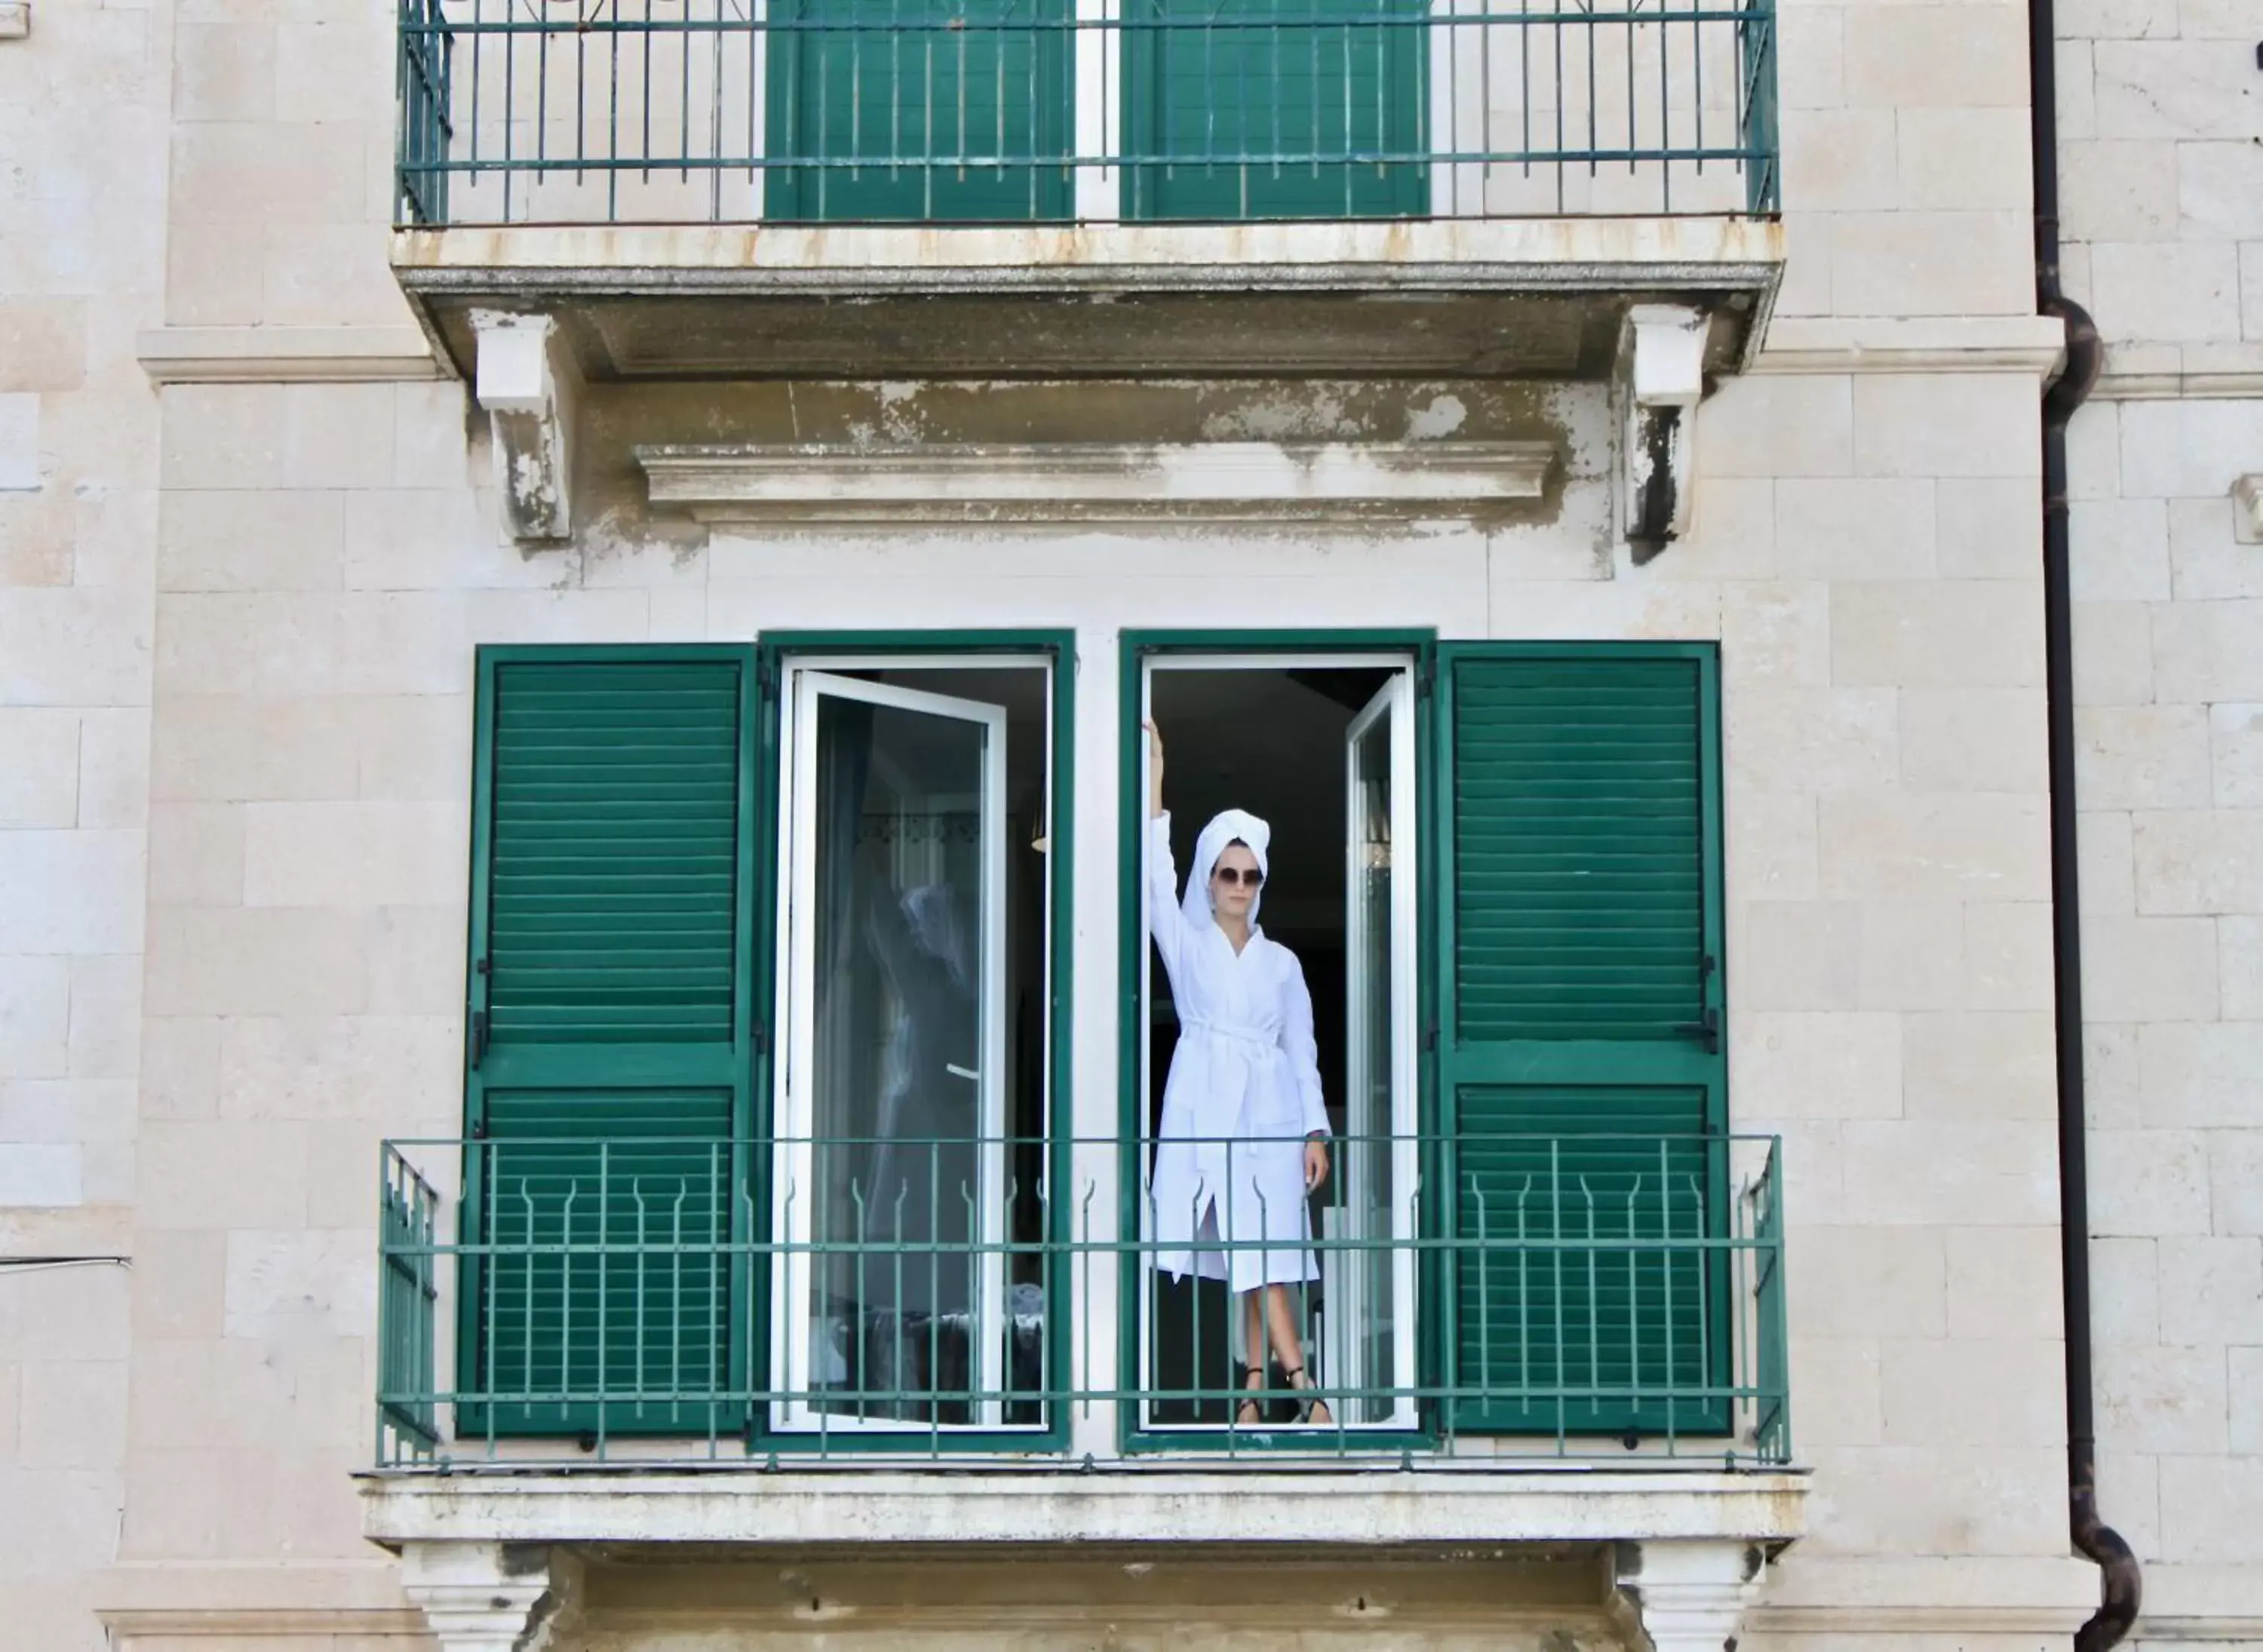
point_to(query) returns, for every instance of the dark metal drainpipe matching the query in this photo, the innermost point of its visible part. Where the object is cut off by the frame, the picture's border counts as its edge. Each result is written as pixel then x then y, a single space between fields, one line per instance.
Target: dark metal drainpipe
pixel 2121 1584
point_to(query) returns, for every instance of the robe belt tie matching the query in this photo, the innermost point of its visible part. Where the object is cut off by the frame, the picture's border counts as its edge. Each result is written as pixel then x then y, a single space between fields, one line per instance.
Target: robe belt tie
pixel 1250 1039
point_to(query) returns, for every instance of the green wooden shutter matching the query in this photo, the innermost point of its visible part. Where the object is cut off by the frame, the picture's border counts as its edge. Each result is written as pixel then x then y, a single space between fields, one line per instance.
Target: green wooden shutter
pixel 949 101
pixel 1243 109
pixel 610 1048
pixel 1579 1066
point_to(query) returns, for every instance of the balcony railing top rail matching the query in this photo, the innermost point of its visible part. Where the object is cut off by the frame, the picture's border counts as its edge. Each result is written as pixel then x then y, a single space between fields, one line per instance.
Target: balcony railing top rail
pixel 1459 1302
pixel 1003 112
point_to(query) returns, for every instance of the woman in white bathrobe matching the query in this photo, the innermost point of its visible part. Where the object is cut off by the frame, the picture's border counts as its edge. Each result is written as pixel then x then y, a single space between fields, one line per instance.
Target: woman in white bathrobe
pixel 1244 1130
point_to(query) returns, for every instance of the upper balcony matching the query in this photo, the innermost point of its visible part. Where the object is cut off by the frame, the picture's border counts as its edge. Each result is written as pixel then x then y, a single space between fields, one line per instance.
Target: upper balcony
pixel 1098 188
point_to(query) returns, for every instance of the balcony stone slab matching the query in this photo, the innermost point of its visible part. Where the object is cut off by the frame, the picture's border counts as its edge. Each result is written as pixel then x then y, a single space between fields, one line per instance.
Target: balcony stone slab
pixel 490 1559
pixel 996 1507
pixel 1529 298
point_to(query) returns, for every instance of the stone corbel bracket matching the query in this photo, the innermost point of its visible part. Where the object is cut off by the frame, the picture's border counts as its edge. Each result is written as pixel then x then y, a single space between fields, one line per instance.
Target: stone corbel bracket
pixel 488 1597
pixel 526 379
pixel 1689 1595
pixel 2247 509
pixel 1661 380
pixel 1255 482
pixel 15 19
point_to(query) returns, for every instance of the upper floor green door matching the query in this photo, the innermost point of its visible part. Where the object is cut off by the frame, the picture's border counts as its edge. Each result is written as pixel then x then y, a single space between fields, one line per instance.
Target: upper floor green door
pixel 919 111
pixel 1274 109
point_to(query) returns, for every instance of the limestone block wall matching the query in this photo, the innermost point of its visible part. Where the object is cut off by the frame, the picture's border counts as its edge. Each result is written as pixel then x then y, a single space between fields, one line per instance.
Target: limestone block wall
pixel 83 136
pixel 1905 177
pixel 2162 105
pixel 281 187
pixel 2169 660
pixel 2161 122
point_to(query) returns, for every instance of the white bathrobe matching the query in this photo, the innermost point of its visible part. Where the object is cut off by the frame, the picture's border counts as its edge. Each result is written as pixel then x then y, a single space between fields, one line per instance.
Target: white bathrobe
pixel 1244 1091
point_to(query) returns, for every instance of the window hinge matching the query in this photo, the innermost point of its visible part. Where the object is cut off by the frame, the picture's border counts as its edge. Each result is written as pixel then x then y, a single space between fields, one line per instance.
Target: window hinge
pixel 762 1036
pixel 1426 676
pixel 1706 1028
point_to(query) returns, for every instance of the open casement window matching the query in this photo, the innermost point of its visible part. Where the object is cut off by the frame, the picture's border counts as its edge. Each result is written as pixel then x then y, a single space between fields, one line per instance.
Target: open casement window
pixel 1579 1068
pixel 893 1149
pixel 610 1056
pixel 1242 109
pixel 933 111
pixel 911 1288
pixel 1319 735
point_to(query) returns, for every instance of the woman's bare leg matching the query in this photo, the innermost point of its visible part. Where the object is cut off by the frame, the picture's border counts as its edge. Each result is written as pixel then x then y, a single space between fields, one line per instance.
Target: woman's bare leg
pixel 1281 1316
pixel 1252 1350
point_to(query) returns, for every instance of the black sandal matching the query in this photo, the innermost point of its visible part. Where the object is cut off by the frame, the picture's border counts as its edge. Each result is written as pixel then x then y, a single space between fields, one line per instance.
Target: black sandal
pixel 1253 1382
pixel 1301 1382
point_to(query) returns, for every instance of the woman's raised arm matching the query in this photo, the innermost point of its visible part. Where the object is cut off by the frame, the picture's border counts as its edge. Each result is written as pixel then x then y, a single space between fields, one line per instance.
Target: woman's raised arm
pixel 1165 921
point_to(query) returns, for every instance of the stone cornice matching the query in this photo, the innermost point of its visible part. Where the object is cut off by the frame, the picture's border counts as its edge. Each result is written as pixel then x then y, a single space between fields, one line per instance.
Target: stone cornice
pixel 995 482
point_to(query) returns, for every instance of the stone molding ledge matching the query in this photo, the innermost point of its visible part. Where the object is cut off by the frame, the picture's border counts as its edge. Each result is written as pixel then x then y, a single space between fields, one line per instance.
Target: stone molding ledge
pixel 225 1627
pixel 2030 345
pixel 285 355
pixel 1273 482
pixel 2218 371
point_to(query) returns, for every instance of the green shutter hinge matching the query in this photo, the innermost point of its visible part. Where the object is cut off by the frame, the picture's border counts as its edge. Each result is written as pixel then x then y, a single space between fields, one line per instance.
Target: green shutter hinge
pixel 1426 676
pixel 1707 1027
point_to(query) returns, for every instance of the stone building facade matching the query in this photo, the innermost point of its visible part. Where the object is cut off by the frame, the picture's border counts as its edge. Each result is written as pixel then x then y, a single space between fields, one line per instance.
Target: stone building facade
pixel 290 472
pixel 2162 112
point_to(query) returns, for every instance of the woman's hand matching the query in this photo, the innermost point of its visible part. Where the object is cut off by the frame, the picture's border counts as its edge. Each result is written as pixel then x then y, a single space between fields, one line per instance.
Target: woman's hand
pixel 1155 767
pixel 1316 1163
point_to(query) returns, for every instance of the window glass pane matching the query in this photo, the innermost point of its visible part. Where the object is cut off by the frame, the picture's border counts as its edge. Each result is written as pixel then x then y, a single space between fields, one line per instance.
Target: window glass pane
pixel 895 1066
pixel 912 1124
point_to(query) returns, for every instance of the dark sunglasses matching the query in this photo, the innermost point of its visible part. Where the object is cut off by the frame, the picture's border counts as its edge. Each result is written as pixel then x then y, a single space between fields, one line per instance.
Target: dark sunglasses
pixel 1250 880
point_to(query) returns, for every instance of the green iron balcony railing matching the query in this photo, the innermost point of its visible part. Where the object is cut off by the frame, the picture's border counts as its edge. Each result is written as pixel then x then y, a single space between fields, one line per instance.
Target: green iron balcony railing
pixel 649 1298
pixel 1001 112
